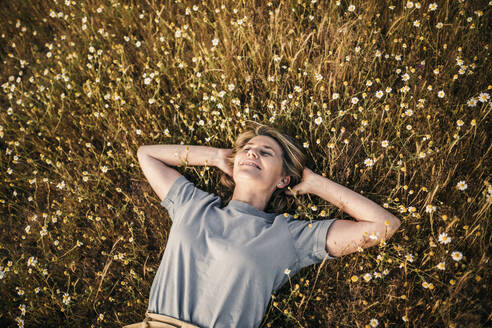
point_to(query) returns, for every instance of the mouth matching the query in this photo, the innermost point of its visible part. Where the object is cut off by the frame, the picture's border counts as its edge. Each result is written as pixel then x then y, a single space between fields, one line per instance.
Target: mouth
pixel 249 163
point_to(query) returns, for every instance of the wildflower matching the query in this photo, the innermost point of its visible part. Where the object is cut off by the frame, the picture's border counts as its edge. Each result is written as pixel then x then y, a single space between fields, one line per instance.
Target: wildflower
pixel 318 120
pixel 404 89
pixel 409 258
pixel 439 25
pixel 460 122
pixel 444 239
pixel 374 235
pixel 354 100
pixel 351 8
pixel 404 318
pixel 369 162
pixel 457 256
pixel 405 77
pixel 441 94
pixel 433 6
pixel 66 298
pixel 384 143
pixel 430 208
pixel 22 308
pixel 104 169
pixel 335 96
pixel 354 278
pixel 287 271
pixel 379 94
pixel 367 277
pixel 32 261
pixel 462 185
pixel 20 322
pixel 416 23
pixel 483 97
pixel 441 266
pixel 374 322
pixel 472 102
pixel 425 284
pixel 368 83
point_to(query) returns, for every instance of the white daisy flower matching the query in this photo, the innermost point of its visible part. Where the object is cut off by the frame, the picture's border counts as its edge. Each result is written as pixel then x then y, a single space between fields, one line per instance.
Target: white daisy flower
pixel 462 185
pixel 457 256
pixel 483 97
pixel 472 102
pixel 430 208
pixel 444 239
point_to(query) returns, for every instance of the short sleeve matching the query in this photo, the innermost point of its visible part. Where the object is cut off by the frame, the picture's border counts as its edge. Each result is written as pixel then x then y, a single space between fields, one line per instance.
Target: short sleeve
pixel 310 241
pixel 181 193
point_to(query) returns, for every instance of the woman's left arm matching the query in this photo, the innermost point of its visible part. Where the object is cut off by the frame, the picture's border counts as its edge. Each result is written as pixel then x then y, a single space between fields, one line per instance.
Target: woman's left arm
pixel 344 237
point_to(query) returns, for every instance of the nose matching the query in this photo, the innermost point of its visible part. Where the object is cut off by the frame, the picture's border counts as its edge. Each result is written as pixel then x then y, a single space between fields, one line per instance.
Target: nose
pixel 251 153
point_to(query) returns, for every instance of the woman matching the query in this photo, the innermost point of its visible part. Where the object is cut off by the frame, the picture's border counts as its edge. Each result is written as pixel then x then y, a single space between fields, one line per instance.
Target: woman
pixel 222 263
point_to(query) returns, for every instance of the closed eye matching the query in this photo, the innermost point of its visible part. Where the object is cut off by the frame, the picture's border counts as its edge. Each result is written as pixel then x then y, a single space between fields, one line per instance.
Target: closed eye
pixel 261 152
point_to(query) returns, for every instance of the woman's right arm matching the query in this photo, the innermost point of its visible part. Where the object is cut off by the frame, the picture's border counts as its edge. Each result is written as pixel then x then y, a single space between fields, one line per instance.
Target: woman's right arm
pixel 175 155
pixel 156 160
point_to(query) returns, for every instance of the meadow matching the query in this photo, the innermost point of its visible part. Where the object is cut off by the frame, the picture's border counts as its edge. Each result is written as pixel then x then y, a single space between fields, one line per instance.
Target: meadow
pixel 389 98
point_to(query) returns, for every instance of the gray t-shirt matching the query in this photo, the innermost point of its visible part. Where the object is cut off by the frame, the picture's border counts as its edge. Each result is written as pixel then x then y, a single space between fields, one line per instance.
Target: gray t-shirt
pixel 221 264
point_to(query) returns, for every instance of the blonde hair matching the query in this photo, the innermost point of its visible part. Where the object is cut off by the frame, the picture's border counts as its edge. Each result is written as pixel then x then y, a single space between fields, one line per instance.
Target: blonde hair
pixel 293 163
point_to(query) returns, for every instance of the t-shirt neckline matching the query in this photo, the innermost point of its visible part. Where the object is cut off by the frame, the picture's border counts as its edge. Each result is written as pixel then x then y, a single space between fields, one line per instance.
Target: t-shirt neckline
pixel 249 209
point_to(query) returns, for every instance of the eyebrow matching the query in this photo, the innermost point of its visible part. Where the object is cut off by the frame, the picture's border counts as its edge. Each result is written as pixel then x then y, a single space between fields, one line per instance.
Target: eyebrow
pixel 265 146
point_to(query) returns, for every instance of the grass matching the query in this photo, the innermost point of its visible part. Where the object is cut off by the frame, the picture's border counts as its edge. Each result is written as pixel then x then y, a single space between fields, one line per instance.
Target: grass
pixel 389 98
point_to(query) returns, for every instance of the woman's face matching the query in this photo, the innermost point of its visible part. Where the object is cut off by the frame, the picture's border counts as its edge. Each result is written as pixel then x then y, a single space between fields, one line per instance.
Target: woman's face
pixel 259 162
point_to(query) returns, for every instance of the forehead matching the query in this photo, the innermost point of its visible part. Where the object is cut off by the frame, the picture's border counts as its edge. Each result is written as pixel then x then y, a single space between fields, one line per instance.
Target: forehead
pixel 266 142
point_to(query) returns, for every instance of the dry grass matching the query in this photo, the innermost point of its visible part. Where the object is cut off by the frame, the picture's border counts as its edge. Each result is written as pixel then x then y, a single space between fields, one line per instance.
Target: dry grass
pixel 84 83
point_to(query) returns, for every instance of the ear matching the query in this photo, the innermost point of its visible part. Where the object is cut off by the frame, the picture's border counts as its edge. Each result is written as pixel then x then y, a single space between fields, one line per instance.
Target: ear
pixel 284 182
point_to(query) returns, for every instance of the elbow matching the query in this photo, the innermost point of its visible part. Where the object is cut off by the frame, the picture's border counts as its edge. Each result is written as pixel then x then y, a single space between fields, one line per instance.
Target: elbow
pixel 141 150
pixel 394 225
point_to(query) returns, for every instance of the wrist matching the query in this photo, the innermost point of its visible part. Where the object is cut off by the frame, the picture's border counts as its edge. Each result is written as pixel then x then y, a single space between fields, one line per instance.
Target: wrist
pixel 312 182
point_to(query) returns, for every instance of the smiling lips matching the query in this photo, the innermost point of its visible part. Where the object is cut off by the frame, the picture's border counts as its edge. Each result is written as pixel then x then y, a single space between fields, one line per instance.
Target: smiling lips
pixel 250 163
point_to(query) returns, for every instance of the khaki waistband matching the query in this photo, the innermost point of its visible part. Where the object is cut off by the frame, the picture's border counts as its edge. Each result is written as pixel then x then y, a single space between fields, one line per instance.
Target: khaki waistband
pixel 154 320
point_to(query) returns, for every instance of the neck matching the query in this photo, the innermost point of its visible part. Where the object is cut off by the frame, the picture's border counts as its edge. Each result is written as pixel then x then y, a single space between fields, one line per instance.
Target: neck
pixel 255 199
